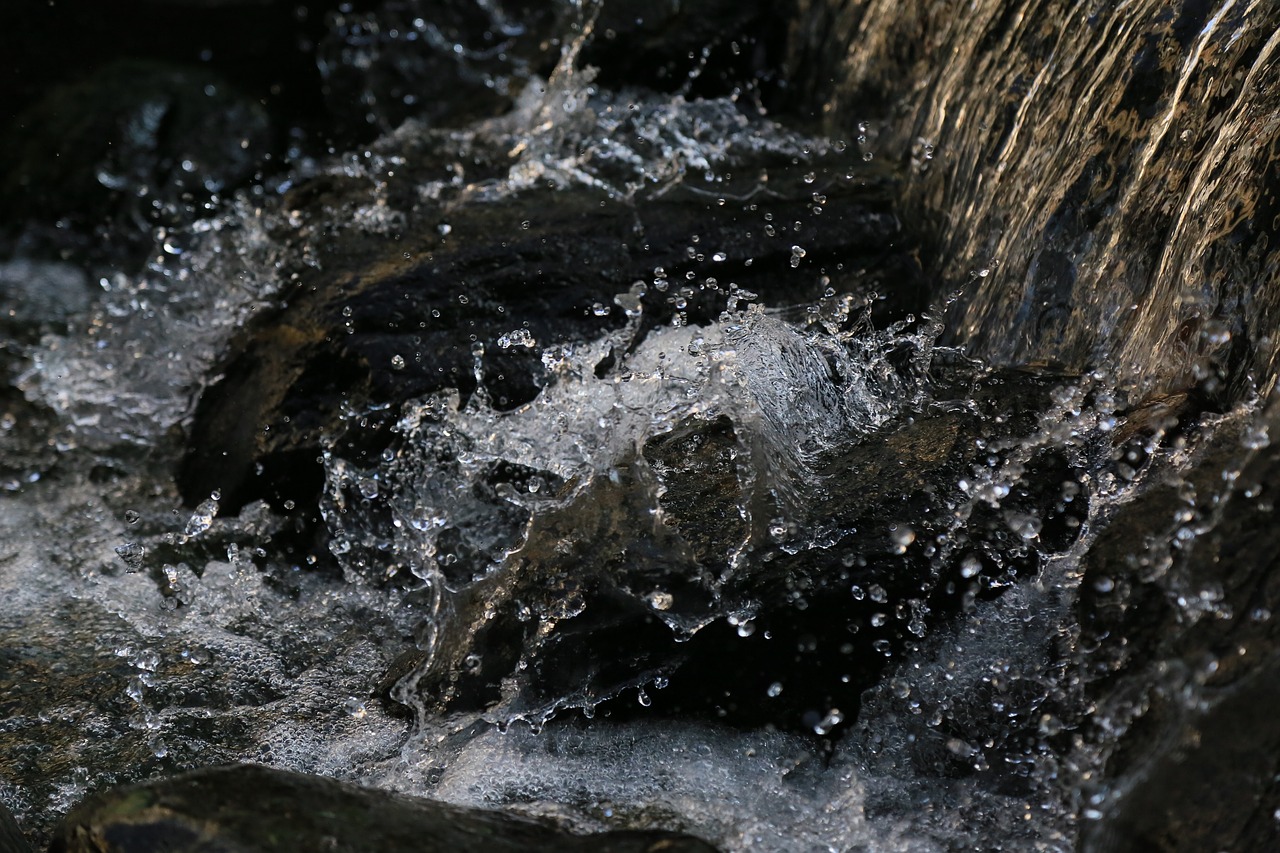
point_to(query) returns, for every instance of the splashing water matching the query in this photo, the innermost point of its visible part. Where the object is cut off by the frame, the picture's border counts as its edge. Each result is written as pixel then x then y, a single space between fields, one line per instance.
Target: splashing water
pixel 963 542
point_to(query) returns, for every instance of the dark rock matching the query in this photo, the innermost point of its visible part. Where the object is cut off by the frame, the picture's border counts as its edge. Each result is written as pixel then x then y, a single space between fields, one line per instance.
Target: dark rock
pixel 1209 779
pixel 11 840
pixel 41 297
pixel 568 619
pixel 1176 615
pixel 540 259
pixel 707 47
pixel 136 143
pixel 453 62
pixel 247 808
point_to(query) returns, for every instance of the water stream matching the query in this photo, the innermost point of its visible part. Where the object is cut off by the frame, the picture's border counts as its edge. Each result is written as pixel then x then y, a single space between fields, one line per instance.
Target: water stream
pixel 649 454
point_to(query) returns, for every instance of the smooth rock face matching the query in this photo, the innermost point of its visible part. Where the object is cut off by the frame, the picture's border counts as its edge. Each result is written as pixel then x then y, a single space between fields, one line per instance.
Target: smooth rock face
pixel 248 809
pixel 11 840
pixel 1196 767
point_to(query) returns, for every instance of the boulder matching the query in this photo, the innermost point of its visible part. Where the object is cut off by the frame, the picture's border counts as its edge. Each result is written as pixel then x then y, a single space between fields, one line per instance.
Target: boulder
pixel 251 809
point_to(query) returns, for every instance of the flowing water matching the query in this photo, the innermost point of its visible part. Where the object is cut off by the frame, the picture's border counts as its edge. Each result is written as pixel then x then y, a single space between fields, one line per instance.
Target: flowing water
pixel 565 604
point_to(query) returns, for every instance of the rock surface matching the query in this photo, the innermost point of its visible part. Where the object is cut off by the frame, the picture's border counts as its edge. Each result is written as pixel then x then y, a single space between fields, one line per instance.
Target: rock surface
pixel 11 840
pixel 248 809
pixel 1103 186
pixel 1184 654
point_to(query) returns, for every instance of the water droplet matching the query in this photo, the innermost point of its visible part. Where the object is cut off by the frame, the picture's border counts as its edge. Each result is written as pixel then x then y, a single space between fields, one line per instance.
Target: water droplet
pixel 397 362
pixel 146 660
pixel 901 535
pixel 643 698
pixel 133 553
pixel 202 519
pixel 660 600
pixel 832 719
pixel 516 338
pixel 1026 526
pixel 131 516
pixel 1256 437
pixel 970 566
pixel 775 689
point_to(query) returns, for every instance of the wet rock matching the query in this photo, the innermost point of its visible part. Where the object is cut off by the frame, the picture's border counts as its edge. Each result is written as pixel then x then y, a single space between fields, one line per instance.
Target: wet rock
pixel 11 840
pixel 631 581
pixel 135 143
pixel 370 324
pixel 1115 170
pixel 39 297
pixel 248 808
pixel 1176 613
pixel 1211 780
